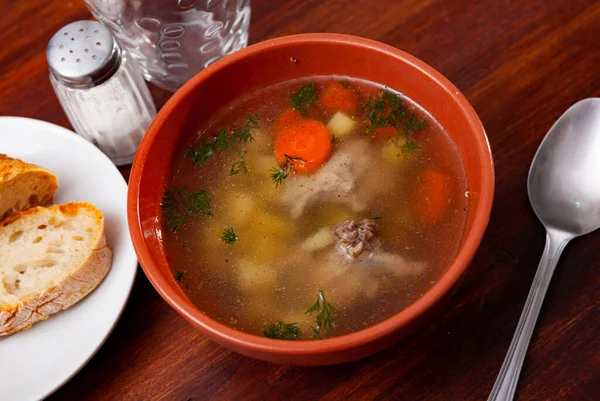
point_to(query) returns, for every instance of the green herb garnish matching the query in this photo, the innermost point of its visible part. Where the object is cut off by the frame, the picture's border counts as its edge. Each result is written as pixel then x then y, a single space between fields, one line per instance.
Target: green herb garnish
pixel 178 275
pixel 201 154
pixel 345 83
pixel 303 98
pixel 244 134
pixel 388 110
pixel 199 204
pixel 278 174
pixel 282 331
pixel 376 217
pixel 229 236
pixel 411 146
pixel 222 140
pixel 376 114
pixel 239 165
pixel 289 331
pixel 333 138
pixel 412 124
pixel 178 205
pixel 324 318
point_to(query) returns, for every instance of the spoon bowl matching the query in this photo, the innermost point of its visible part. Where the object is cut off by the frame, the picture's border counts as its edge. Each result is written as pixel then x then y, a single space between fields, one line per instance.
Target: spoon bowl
pixel 563 184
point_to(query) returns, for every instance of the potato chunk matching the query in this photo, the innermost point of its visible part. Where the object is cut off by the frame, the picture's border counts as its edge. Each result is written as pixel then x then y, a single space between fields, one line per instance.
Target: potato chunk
pixel 256 277
pixel 265 239
pixel 392 153
pixel 318 240
pixel 261 164
pixel 241 207
pixel 341 125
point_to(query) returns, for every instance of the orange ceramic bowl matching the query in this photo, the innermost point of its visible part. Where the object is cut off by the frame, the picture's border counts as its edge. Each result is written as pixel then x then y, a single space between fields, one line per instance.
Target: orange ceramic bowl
pixel 274 61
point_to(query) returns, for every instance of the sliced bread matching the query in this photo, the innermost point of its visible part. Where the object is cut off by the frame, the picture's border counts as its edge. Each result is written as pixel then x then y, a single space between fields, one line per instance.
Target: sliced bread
pixel 24 185
pixel 50 258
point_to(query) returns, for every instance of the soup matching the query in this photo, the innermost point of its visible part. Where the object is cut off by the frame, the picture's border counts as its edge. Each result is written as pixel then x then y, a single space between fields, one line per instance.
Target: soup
pixel 314 208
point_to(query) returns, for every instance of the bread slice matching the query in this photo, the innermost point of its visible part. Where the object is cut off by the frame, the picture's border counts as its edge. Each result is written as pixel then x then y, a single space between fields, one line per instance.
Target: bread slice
pixel 24 185
pixel 50 258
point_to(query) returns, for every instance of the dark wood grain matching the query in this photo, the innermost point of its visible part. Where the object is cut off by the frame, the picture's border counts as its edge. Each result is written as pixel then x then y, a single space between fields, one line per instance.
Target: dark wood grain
pixel 521 63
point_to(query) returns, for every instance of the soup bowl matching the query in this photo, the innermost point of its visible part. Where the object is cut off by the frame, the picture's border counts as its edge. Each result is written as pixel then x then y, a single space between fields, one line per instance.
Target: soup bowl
pixel 268 63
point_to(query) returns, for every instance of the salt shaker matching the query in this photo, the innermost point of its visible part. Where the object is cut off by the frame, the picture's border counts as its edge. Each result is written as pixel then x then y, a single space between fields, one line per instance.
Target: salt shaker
pixel 100 89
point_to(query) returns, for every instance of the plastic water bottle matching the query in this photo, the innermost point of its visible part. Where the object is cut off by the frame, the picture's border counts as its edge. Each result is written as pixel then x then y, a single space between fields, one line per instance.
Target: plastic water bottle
pixel 172 40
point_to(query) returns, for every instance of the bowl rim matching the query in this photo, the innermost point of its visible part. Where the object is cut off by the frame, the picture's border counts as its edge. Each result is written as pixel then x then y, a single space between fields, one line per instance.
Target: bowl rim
pixel 171 293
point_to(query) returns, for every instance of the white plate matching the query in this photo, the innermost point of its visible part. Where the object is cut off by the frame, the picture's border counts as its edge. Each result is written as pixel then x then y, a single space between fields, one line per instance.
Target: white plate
pixel 36 362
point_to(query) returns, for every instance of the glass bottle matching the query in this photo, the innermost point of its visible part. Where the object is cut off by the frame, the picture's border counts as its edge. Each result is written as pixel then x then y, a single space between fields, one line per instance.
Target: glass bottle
pixel 172 40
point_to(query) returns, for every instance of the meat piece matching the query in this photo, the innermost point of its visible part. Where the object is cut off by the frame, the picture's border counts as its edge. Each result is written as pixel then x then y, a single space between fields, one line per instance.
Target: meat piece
pixel 392 262
pixel 339 180
pixel 348 272
pixel 347 279
pixel 354 238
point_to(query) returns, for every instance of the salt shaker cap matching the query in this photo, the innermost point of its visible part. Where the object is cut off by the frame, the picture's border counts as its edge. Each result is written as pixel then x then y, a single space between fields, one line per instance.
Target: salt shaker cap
pixel 83 54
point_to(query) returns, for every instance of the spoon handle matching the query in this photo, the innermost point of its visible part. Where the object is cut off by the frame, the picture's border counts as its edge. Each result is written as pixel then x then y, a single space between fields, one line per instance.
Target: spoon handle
pixel 506 383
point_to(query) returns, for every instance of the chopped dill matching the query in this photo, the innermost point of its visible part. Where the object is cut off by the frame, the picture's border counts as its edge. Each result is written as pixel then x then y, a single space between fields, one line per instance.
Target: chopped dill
pixel 290 331
pixel 240 165
pixel 409 146
pixel 333 138
pixel 173 222
pixel 237 167
pixel 316 333
pixel 229 236
pixel 201 154
pixel 282 331
pixel 324 318
pixel 178 205
pixel 303 98
pixel 178 275
pixel 388 110
pixel 199 204
pixel 345 83
pixel 244 134
pixel 376 116
pixel 278 174
pixel 376 217
pixel 412 124
pixel 222 140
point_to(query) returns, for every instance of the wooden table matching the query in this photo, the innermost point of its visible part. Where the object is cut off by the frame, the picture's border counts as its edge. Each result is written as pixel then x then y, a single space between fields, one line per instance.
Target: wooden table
pixel 521 63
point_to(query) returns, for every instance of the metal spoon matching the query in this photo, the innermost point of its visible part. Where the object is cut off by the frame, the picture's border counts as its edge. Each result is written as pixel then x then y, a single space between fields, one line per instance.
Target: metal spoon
pixel 564 190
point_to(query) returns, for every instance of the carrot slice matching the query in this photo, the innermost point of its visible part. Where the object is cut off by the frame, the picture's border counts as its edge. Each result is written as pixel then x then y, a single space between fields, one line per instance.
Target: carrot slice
pixel 337 98
pixel 306 143
pixel 432 195
pixel 286 118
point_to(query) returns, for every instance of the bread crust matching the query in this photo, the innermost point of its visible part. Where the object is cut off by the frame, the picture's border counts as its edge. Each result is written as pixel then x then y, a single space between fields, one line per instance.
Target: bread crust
pixel 16 179
pixel 79 282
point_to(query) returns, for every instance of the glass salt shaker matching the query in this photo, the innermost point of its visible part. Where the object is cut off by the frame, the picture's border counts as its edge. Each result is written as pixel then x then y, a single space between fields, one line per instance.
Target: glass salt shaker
pixel 101 91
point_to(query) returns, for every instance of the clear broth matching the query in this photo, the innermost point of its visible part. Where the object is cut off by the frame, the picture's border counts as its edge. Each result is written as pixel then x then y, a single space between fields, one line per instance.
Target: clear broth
pixel 265 276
